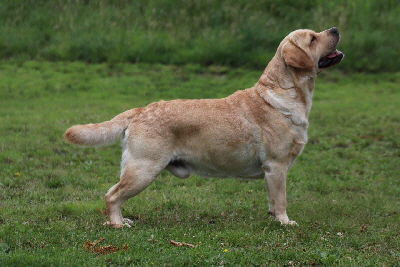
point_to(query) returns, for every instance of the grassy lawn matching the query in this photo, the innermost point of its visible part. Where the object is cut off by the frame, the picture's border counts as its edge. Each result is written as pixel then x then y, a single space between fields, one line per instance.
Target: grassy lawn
pixel 343 191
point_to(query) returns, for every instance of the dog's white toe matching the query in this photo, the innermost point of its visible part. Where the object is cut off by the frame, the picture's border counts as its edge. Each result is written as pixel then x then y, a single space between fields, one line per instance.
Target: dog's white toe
pixel 293 223
pixel 127 222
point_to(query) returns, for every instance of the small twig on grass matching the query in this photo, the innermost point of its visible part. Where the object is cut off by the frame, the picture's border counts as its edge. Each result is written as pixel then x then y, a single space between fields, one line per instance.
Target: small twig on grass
pixel 180 244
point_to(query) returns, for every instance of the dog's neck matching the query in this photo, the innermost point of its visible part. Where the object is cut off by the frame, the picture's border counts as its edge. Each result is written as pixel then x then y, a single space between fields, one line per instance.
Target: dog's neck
pixel 288 90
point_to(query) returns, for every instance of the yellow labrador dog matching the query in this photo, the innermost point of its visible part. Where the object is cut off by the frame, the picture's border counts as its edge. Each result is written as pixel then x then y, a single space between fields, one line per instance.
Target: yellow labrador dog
pixel 255 133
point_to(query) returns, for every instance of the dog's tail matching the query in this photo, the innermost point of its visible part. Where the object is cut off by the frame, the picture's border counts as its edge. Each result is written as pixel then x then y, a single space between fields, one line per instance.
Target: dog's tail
pixel 97 134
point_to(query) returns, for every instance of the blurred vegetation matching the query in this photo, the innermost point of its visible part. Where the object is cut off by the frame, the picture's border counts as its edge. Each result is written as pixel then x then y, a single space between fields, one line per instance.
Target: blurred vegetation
pixel 234 33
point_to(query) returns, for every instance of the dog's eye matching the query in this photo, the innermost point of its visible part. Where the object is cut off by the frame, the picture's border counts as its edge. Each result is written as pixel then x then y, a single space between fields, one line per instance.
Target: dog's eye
pixel 313 39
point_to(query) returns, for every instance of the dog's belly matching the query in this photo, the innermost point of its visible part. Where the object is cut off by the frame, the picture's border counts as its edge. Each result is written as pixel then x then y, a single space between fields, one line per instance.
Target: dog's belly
pixel 253 171
pixel 221 166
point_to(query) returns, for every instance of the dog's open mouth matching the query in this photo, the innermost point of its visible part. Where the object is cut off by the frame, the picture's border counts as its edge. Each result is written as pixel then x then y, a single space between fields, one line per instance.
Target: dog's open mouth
pixel 330 60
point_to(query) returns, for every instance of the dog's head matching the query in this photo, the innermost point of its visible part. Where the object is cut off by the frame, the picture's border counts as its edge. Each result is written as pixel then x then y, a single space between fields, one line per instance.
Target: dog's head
pixel 306 49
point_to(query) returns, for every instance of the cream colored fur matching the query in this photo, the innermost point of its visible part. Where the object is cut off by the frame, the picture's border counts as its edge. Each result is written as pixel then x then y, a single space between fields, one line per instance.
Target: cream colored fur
pixel 255 133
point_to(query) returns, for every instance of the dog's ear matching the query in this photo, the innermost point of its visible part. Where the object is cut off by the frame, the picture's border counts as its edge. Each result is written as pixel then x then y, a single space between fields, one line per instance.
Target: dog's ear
pixel 296 57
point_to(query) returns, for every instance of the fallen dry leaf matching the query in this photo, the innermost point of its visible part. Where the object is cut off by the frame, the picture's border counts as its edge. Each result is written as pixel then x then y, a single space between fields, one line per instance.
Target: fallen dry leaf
pixel 104 212
pixel 92 247
pixel 180 244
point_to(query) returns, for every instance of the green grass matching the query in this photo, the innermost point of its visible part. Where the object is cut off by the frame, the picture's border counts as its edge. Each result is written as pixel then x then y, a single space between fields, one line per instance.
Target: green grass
pixel 343 190
pixel 232 33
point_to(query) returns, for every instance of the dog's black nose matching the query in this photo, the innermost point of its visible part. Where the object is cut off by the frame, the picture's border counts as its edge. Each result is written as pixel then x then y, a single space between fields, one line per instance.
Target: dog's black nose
pixel 334 30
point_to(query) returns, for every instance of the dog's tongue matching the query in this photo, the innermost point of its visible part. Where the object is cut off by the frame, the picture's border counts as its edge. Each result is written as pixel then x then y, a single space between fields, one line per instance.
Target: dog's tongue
pixel 332 55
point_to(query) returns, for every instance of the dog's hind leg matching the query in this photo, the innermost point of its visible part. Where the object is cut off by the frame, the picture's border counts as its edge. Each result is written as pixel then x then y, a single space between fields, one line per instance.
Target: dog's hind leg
pixel 135 177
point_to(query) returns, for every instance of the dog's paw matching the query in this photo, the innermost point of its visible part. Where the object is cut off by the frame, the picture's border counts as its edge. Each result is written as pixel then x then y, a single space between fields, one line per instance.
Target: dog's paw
pixel 291 223
pixel 284 220
pixel 113 225
pixel 125 222
pixel 116 225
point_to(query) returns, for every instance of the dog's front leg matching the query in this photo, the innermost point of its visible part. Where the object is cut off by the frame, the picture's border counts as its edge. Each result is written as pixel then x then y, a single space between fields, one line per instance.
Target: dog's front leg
pixel 275 182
